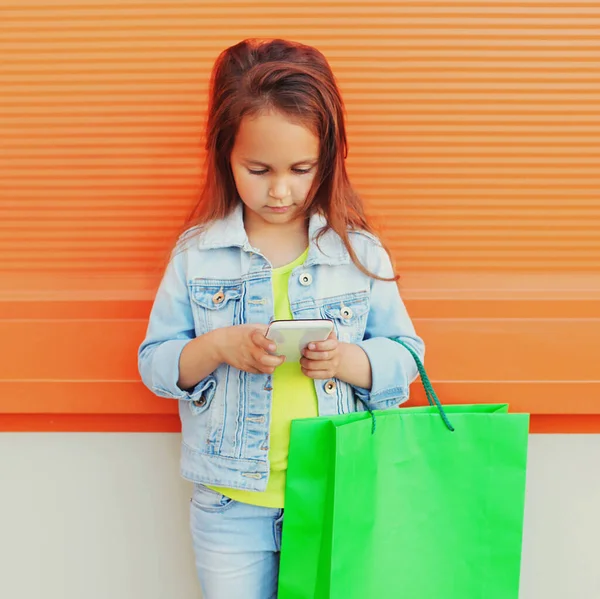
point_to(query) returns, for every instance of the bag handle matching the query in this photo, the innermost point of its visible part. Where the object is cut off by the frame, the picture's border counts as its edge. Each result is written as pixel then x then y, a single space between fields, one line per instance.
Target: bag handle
pixel 432 398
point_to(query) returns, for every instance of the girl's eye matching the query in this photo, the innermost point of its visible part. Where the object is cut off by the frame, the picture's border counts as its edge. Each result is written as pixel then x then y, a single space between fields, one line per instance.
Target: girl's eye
pixel 297 171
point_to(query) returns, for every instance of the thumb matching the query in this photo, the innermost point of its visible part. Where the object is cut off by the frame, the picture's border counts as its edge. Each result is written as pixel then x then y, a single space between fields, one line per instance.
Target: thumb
pixel 259 328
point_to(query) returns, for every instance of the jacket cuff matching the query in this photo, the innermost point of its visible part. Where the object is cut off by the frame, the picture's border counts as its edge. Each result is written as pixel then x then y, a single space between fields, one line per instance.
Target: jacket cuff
pixel 165 374
pixel 392 371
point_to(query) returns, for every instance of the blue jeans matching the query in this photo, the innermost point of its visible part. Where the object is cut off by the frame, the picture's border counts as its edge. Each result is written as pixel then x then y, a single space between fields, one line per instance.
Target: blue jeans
pixel 236 546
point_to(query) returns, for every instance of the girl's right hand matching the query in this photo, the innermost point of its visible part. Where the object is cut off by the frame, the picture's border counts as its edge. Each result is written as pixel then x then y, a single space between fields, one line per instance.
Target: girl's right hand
pixel 245 347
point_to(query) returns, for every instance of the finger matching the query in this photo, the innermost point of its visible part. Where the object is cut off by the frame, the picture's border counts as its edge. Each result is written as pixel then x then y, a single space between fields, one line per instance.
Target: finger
pixel 266 370
pixel 257 368
pixel 261 328
pixel 314 365
pixel 319 356
pixel 327 345
pixel 249 367
pixel 269 360
pixel 259 339
pixel 264 359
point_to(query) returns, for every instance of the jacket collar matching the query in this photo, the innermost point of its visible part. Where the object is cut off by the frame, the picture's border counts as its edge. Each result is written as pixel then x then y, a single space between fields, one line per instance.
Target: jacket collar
pixel 230 232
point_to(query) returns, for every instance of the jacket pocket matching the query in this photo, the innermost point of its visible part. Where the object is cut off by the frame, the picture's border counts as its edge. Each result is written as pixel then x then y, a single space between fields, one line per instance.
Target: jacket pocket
pixel 215 303
pixel 201 404
pixel 349 314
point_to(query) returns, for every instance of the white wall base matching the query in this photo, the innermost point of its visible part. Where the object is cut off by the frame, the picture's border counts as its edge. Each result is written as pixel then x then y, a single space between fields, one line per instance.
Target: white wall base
pixel 105 516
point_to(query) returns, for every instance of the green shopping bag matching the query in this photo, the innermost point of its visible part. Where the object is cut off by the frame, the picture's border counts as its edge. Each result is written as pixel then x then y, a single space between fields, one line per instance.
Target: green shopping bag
pixel 410 503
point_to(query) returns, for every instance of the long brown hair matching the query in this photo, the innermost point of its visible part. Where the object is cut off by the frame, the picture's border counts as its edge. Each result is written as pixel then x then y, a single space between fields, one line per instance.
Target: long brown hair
pixel 296 80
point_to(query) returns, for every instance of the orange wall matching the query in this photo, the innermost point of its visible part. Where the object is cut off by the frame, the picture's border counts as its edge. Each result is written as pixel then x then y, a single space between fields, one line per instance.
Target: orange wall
pixel 475 138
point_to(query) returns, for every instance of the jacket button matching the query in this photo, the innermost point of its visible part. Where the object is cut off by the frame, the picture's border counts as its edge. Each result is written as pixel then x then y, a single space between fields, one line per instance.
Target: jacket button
pixel 330 387
pixel 200 403
pixel 305 279
pixel 346 313
pixel 218 297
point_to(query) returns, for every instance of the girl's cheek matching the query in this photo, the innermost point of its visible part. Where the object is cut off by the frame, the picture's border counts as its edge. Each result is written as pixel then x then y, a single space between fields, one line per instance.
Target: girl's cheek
pixel 252 189
pixel 304 188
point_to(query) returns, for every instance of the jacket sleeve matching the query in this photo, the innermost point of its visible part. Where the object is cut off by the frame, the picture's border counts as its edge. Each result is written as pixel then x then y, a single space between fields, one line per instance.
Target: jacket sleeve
pixel 392 366
pixel 170 329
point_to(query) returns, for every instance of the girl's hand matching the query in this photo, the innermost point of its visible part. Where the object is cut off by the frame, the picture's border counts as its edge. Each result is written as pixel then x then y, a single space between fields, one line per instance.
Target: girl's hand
pixel 245 347
pixel 322 359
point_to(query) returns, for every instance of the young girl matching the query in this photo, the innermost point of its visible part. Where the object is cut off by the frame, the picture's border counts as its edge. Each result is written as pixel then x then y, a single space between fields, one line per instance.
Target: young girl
pixel 280 233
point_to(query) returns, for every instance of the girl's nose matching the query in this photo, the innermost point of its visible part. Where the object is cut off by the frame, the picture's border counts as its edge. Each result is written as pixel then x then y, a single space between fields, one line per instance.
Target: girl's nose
pixel 279 190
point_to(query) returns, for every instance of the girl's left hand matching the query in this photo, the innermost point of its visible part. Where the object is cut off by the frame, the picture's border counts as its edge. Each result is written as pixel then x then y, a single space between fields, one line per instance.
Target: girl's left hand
pixel 322 359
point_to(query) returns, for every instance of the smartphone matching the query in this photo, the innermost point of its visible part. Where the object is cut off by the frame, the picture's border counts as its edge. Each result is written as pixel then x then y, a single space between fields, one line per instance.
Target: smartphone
pixel 292 336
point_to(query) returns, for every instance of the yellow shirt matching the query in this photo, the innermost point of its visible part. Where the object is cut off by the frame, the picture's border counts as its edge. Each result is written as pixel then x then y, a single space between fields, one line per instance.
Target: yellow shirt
pixel 294 396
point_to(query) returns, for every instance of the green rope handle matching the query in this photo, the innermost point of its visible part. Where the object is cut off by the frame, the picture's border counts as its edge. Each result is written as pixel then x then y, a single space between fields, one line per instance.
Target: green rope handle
pixel 432 398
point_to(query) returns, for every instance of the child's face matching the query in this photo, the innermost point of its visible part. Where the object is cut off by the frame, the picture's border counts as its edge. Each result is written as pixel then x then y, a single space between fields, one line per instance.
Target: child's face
pixel 274 163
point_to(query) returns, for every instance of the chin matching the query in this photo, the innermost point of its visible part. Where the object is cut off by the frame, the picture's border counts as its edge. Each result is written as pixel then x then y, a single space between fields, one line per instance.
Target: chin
pixel 288 215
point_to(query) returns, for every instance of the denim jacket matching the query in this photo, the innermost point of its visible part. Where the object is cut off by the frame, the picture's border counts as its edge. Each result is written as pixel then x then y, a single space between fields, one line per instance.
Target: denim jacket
pixel 216 279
